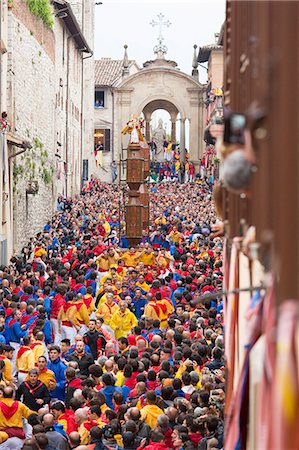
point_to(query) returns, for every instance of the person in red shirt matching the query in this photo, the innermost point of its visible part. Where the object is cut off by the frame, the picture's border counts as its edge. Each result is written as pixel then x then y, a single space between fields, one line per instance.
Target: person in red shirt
pixel 58 302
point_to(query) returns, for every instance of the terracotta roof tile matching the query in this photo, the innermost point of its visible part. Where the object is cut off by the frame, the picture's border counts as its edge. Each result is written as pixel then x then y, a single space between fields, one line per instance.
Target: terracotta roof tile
pixel 107 71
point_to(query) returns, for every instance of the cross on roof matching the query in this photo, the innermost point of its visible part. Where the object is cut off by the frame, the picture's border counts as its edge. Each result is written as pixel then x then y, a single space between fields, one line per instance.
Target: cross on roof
pixel 160 23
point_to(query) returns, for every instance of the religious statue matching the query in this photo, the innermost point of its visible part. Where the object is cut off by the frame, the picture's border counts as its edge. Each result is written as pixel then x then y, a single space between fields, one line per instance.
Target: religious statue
pixel 159 136
pixel 135 127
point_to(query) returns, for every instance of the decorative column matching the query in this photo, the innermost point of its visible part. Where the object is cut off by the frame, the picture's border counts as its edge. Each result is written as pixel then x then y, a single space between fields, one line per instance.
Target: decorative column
pixel 182 140
pixel 148 129
pixel 173 131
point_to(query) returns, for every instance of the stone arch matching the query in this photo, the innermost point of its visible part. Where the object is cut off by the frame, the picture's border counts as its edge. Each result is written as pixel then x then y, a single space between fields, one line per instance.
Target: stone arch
pixel 166 88
pixel 156 104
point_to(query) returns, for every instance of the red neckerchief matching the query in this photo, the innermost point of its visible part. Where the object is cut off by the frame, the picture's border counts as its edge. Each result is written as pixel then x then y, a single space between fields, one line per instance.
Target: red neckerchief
pixel 34 344
pixel 9 411
pixel 33 390
pixel 155 307
pixel 109 307
pixel 89 424
pixel 22 350
pixel 87 301
pixel 12 322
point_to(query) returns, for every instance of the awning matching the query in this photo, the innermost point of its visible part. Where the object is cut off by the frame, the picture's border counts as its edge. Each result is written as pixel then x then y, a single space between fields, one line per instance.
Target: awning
pixel 17 141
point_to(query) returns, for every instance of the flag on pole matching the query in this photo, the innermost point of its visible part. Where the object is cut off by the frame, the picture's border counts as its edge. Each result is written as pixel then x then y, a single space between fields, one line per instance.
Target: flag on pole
pixel 238 412
pixel 230 320
pixel 264 423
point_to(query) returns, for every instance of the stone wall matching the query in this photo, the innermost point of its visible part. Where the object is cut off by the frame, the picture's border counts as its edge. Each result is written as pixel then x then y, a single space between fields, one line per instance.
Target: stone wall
pixel 42 34
pixel 31 110
pixel 68 88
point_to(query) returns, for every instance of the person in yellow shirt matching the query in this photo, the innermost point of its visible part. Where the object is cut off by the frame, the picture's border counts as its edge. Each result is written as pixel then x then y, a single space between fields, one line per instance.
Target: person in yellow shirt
pixel 130 257
pixel 6 354
pixel 142 283
pixel 106 227
pixel 81 316
pixel 175 235
pixel 12 413
pixel 103 298
pixel 37 345
pixel 39 251
pixel 103 290
pixel 117 286
pixel 46 375
pixel 151 310
pixel 113 257
pixel 147 257
pixel 65 317
pixel 165 309
pixel 84 425
pixel 95 414
pixel 111 274
pixel 103 264
pixel 150 412
pixel 88 300
pixel 107 309
pixel 164 258
pixel 123 320
pixel 25 360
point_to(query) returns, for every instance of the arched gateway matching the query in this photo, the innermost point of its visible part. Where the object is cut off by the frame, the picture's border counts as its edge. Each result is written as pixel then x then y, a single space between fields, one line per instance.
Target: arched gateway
pixel 161 85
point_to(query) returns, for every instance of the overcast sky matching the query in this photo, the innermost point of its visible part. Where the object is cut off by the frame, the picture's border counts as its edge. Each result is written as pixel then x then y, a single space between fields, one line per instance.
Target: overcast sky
pixel 119 22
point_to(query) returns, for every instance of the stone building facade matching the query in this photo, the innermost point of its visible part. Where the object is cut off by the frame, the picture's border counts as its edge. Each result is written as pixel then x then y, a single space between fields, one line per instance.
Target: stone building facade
pixel 213 117
pixel 108 75
pixel 122 88
pixel 42 84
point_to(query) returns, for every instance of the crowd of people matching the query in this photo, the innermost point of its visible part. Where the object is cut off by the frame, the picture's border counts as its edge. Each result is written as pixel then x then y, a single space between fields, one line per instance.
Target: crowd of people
pixel 183 172
pixel 105 346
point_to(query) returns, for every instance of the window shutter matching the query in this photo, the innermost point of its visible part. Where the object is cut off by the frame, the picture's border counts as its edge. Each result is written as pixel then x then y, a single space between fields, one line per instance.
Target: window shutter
pixel 107 141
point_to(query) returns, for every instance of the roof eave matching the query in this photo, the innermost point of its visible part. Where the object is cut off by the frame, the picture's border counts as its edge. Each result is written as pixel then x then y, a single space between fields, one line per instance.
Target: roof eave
pixel 72 25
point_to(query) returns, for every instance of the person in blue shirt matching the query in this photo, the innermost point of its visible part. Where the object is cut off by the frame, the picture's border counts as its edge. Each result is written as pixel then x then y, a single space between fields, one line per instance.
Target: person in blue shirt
pixel 44 324
pixel 47 300
pixel 114 222
pixel 139 302
pixel 109 389
pixel 15 331
pixel 58 367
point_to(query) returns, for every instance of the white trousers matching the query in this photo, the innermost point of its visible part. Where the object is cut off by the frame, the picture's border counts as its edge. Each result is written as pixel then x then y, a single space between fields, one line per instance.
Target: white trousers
pixel 12 444
pixel 83 330
pixel 68 333
pixel 16 346
pixel 22 377
pixel 57 335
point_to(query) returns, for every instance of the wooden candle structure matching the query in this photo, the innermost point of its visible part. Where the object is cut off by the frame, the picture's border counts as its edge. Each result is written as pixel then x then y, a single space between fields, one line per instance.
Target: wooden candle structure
pixel 137 208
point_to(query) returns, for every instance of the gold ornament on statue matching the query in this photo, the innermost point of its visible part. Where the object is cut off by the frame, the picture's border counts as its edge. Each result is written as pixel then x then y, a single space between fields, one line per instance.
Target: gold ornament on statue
pixel 135 127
